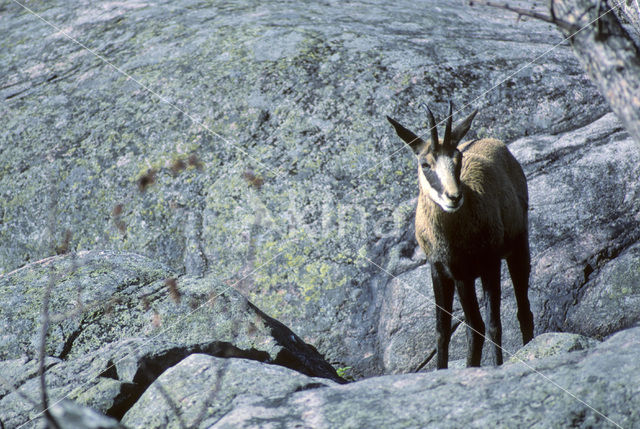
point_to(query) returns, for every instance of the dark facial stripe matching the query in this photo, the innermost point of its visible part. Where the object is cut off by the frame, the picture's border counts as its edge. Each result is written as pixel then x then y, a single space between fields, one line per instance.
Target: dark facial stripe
pixel 433 179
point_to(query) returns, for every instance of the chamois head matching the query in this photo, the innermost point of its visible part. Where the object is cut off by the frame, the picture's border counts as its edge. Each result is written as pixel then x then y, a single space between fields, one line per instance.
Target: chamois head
pixel 439 161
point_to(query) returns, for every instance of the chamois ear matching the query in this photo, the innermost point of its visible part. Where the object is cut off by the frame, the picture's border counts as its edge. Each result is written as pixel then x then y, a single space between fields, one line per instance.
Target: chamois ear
pixel 415 142
pixel 461 129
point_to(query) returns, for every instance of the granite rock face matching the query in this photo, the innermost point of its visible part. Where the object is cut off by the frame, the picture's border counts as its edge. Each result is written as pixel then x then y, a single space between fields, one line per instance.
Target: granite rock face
pixel 227 384
pixel 242 147
pixel 250 138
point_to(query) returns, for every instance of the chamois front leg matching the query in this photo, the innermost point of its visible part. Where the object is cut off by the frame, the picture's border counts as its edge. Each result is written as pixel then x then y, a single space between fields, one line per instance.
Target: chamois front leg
pixel 475 325
pixel 443 289
pixel 519 263
pixel 491 289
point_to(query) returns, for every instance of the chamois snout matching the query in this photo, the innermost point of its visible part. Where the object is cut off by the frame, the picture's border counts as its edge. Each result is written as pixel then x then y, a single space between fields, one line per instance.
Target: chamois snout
pixel 441 179
pixel 456 199
pixel 439 161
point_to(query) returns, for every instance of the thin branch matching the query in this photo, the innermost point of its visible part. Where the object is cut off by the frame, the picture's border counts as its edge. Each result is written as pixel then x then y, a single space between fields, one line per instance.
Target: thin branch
pixel 433 351
pixel 551 18
pixel 169 400
pixel 42 352
pixel 157 384
pixel 51 422
pixel 212 394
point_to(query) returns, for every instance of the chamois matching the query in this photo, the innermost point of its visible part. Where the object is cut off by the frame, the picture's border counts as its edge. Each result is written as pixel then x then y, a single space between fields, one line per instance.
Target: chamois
pixel 471 214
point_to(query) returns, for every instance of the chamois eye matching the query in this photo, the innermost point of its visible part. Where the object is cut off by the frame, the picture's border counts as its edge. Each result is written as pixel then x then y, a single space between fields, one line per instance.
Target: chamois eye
pixel 428 161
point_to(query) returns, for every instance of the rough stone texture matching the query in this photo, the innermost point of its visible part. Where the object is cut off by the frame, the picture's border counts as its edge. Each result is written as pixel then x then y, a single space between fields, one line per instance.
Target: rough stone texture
pixel 108 380
pixel 202 389
pixel 15 372
pixel 307 177
pixel 243 393
pixel 69 415
pixel 585 212
pixel 605 378
pixel 628 11
pixel 112 379
pixel 110 285
pixel 131 329
pixel 610 300
pixel 552 344
pixel 271 169
pixel 192 312
pixel 78 380
pixel 575 389
pixel 609 56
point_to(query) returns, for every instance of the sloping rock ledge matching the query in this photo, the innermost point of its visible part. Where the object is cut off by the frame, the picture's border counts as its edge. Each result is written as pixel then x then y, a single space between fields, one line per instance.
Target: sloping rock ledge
pixel 597 387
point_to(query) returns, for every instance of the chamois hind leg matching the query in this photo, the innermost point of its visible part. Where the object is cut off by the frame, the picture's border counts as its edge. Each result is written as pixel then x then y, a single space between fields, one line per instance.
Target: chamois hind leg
pixel 519 263
pixel 491 289
pixel 475 325
pixel 443 290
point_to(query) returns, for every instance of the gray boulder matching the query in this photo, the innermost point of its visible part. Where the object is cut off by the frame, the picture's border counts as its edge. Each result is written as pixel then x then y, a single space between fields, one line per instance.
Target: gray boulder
pixel 94 295
pixel 201 390
pixel 589 388
pixel 585 208
pixel 116 378
pixel 70 415
pixel 102 297
pixel 610 299
pixel 551 344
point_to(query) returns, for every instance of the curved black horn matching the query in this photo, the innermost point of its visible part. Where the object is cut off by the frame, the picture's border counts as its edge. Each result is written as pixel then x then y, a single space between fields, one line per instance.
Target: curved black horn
pixel 432 125
pixel 447 131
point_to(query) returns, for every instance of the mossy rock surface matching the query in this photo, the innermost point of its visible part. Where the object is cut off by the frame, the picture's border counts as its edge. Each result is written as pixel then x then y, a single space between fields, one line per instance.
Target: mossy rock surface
pixel 118 320
pixel 551 344
pixel 247 141
pixel 94 296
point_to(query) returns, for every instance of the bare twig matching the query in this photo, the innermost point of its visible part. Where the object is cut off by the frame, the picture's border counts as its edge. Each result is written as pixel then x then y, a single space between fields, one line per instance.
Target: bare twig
pixel 551 18
pixel 172 404
pixel 212 394
pixel 155 381
pixel 42 352
pixel 51 421
pixel 607 52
